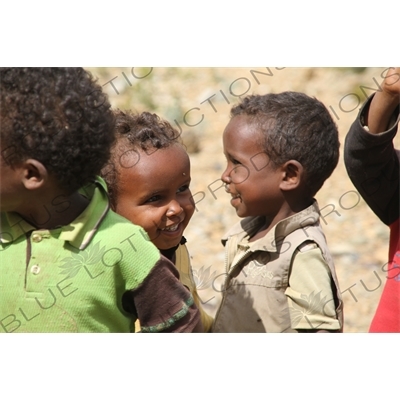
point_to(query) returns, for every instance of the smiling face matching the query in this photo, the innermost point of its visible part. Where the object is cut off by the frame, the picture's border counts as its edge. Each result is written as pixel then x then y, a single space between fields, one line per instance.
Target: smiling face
pixel 250 177
pixel 154 193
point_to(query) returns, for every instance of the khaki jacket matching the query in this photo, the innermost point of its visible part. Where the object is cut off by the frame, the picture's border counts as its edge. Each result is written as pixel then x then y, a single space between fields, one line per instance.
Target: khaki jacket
pixel 182 263
pixel 254 297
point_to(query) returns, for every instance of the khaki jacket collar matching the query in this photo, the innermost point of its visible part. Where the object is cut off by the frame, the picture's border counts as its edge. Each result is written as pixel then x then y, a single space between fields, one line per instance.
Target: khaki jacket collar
pixel 249 226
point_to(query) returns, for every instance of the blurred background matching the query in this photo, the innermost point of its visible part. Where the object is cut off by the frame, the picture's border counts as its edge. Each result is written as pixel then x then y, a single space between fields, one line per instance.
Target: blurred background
pixel 197 102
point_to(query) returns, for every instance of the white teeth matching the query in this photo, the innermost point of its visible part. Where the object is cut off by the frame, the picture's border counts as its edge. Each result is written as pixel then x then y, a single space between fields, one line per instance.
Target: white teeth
pixel 171 228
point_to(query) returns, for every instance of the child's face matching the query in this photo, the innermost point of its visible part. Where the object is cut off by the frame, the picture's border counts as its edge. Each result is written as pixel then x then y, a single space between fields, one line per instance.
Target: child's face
pixel 249 176
pixel 154 193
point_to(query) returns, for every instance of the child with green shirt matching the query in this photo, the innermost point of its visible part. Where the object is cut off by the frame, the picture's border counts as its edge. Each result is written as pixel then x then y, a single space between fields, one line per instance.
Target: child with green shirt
pixel 68 263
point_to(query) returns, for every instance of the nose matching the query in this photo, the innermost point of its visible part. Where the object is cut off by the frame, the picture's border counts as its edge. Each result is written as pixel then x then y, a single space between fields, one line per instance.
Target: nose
pixel 174 208
pixel 225 177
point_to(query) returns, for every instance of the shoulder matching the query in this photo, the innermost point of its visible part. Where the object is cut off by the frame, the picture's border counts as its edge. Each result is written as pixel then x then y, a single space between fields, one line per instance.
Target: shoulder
pixel 307 251
pixel 115 225
pixel 127 241
pixel 244 226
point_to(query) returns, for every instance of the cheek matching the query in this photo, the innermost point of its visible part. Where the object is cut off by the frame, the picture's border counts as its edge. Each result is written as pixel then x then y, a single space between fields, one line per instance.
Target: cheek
pixel 125 208
pixel 239 174
pixel 189 206
pixel 136 214
pixel 189 211
pixel 150 219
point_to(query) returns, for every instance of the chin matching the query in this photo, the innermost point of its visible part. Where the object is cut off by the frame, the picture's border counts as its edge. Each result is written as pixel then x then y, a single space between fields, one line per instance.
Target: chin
pixel 243 213
pixel 239 212
pixel 169 245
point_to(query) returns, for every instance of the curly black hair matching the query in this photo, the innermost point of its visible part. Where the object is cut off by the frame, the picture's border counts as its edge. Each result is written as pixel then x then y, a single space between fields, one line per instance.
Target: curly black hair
pixel 58 116
pixel 133 131
pixel 297 127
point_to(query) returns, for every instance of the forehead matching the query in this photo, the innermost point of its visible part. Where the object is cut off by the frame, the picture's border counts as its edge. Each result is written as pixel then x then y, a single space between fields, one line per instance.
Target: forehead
pixel 154 166
pixel 242 134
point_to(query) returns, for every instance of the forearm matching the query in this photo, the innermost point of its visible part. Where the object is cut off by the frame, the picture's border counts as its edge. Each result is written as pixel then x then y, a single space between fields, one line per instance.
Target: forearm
pixel 163 304
pixel 381 110
pixel 384 102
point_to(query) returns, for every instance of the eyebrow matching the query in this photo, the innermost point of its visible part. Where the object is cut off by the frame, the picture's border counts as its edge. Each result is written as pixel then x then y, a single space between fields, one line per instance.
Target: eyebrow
pixel 231 156
pixel 156 192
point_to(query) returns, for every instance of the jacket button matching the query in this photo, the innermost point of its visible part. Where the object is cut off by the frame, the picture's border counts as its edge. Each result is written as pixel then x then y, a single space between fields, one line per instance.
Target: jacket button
pixel 35 269
pixel 37 238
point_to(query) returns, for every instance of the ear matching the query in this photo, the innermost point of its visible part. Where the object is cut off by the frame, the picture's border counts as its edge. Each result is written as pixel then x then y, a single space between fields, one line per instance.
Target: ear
pixel 292 175
pixel 34 174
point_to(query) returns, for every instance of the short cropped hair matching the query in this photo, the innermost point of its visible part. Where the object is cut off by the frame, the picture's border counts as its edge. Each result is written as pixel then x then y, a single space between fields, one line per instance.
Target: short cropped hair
pixel 145 131
pixel 58 116
pixel 295 126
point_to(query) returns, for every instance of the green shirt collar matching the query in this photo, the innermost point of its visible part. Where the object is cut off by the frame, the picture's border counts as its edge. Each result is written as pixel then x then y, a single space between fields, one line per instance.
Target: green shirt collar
pixel 79 232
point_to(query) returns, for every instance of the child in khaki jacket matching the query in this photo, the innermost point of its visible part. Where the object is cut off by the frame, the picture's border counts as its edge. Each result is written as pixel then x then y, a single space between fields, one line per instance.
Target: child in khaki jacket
pixel 280 148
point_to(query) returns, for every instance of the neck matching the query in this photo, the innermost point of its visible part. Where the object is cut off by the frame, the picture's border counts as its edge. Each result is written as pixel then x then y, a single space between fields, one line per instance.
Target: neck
pixel 59 211
pixel 287 210
pixel 298 206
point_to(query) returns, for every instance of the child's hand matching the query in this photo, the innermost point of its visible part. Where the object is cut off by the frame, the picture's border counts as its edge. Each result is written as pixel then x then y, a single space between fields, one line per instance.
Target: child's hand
pixel 384 102
pixel 391 83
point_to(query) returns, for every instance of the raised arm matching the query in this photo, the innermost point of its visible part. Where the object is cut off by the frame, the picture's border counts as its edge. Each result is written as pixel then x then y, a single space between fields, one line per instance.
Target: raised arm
pixel 384 103
pixel 370 158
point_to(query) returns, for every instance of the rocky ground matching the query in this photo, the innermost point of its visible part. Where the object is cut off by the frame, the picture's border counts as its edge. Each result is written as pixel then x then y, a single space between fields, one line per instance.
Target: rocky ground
pixel 198 100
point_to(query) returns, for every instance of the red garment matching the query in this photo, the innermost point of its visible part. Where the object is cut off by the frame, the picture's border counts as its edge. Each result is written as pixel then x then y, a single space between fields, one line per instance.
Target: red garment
pixel 373 165
pixel 387 316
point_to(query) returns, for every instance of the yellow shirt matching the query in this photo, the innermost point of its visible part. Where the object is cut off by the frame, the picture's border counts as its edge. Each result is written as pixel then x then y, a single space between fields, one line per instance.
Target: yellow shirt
pixel 182 264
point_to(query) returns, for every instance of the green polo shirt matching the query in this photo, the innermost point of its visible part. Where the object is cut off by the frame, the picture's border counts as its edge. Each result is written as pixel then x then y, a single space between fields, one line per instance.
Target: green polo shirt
pixel 72 279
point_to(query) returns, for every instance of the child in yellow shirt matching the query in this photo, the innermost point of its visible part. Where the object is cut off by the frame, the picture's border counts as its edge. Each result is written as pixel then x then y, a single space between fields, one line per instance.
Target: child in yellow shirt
pixel 148 177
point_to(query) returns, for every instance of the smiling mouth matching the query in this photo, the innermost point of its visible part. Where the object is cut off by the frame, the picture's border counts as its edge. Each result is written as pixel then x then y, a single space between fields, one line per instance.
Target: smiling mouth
pixel 171 228
pixel 234 196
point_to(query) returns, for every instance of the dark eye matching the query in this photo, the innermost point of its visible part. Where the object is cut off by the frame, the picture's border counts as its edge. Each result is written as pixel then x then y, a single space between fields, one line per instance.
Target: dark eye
pixel 236 162
pixel 153 199
pixel 183 188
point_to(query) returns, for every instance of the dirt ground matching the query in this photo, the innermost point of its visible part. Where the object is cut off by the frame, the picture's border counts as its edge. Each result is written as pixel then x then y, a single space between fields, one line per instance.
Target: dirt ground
pixel 198 100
